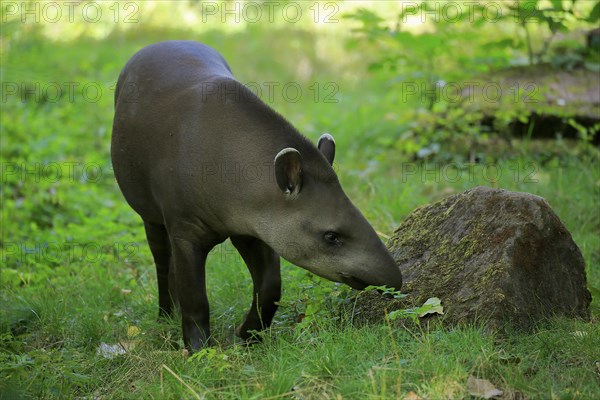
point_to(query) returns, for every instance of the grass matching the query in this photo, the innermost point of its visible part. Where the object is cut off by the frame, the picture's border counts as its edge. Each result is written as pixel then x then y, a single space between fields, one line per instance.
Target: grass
pixel 76 271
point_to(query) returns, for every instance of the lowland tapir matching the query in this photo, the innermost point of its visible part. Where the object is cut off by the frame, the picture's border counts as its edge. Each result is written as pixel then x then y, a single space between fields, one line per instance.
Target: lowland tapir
pixel 201 159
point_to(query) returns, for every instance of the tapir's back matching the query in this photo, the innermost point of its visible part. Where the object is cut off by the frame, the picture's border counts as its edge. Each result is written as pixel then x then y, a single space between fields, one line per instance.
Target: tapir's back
pixel 157 98
pixel 181 123
pixel 168 66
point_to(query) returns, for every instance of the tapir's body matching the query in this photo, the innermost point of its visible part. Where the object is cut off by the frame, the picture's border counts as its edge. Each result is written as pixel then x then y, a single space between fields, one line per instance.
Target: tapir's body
pixel 201 159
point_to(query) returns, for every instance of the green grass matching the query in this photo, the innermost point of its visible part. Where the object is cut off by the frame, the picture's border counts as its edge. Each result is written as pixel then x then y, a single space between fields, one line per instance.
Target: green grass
pixel 76 270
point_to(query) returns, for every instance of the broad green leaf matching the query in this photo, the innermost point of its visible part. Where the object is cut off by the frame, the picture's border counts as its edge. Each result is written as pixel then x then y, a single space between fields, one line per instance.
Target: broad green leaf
pixel 365 16
pixel 528 4
pixel 556 26
pixel 433 305
pixel 594 14
pixel 557 5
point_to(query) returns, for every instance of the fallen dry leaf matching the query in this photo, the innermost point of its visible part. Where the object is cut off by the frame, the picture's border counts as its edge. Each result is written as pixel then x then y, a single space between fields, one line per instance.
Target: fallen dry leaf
pixel 482 388
pixel 510 394
pixel 128 345
pixel 412 396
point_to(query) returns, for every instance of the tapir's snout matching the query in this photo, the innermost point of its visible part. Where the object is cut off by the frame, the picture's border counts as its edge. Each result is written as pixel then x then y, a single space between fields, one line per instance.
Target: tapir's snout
pixel 383 270
pixel 353 282
pixel 379 274
pixel 394 281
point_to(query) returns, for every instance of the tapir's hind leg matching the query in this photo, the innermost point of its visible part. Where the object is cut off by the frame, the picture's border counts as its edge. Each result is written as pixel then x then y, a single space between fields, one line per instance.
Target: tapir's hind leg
pixel 263 264
pixel 190 283
pixel 158 239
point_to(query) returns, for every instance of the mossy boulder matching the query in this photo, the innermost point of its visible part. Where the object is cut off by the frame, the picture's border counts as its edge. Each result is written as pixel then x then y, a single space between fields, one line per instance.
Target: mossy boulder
pixel 491 256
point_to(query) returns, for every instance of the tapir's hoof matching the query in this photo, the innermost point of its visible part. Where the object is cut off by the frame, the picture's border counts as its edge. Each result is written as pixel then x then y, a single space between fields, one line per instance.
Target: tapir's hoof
pixel 249 336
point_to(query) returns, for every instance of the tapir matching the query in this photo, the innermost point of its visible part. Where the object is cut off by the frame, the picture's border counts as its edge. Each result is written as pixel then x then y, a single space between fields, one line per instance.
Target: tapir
pixel 201 159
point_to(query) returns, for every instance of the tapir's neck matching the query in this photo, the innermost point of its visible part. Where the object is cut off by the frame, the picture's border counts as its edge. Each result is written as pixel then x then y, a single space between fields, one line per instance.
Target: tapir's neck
pixel 248 144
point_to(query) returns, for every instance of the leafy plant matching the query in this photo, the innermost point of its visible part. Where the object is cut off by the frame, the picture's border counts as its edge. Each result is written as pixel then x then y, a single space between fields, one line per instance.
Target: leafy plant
pixel 211 357
pixel 431 306
pixel 554 16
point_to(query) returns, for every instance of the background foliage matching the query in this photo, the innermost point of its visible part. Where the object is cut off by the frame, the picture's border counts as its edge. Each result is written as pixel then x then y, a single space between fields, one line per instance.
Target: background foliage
pixel 383 78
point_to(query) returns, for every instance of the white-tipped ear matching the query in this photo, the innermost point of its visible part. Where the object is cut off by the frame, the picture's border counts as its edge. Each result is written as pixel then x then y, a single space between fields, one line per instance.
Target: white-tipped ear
pixel 288 171
pixel 326 144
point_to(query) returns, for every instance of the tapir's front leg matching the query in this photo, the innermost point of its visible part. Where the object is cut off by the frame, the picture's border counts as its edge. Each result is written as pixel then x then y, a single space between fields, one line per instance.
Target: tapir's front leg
pixel 263 264
pixel 189 262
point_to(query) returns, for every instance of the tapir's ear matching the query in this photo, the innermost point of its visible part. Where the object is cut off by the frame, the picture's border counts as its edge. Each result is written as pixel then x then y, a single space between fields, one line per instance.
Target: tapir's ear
pixel 288 171
pixel 327 146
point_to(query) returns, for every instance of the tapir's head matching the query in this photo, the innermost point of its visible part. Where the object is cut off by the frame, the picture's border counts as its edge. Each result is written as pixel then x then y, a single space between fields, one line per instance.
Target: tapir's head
pixel 315 226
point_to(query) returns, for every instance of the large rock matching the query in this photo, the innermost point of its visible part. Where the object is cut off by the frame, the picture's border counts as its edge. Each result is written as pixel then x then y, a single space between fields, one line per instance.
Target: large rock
pixel 491 256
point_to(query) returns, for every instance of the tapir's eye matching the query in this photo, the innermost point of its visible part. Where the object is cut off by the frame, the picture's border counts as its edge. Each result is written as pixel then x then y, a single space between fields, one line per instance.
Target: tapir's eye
pixel 332 238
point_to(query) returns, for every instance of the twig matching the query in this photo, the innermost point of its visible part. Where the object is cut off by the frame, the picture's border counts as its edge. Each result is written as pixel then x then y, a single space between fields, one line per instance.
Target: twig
pixel 383 235
pixel 182 382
